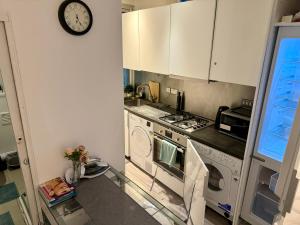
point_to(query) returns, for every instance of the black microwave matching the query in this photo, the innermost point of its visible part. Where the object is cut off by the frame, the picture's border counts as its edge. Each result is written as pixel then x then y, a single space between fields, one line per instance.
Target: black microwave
pixel 235 122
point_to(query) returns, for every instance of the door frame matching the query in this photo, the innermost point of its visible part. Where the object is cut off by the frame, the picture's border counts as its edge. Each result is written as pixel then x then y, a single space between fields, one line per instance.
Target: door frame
pixel 15 100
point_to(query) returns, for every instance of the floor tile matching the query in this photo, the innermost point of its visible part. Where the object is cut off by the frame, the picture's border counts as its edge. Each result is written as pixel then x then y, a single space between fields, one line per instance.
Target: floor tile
pixel 164 219
pixel 118 178
pixel 171 215
pixel 145 195
pixel 140 199
pixel 13 206
pixel 17 177
pixel 5 219
pixel 173 211
pixel 215 218
pixel 14 210
pixel 159 192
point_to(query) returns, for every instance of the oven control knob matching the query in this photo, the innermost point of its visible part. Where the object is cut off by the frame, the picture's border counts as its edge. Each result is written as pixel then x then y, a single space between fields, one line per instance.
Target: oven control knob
pixel 160 131
pixel 177 139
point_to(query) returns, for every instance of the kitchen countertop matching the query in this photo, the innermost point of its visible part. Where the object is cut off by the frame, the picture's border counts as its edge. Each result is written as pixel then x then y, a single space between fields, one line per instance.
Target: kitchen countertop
pixel 109 199
pixel 208 136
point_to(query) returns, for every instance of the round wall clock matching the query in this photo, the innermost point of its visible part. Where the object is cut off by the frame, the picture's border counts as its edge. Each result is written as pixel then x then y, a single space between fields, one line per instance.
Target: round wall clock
pixel 75 17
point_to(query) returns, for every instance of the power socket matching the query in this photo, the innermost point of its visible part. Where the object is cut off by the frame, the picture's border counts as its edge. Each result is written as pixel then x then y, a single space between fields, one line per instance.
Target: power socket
pixel 247 103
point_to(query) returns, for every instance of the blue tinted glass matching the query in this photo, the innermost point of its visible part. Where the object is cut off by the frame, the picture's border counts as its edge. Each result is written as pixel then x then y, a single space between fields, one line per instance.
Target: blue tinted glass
pixel 282 101
pixel 125 77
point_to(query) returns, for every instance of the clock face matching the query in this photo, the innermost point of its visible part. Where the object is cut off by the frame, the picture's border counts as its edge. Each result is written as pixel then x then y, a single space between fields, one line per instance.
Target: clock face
pixel 75 17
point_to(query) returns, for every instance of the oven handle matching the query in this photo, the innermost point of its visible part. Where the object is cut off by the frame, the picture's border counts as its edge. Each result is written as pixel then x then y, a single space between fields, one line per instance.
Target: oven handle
pixel 179 149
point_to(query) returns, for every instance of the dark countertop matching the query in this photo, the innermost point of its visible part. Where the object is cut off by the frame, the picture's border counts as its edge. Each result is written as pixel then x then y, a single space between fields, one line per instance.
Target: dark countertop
pixel 107 204
pixel 109 199
pixel 208 136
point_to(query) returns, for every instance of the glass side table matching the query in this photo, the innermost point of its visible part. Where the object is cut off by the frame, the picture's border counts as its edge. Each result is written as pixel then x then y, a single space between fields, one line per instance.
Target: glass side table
pixel 71 212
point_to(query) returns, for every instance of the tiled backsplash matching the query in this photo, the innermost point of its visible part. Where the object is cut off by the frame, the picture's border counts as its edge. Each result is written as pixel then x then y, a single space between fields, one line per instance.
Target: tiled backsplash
pixel 201 97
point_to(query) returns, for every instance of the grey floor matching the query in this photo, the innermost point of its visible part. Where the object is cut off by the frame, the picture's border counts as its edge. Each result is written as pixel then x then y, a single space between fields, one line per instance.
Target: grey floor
pixel 167 197
pixel 9 176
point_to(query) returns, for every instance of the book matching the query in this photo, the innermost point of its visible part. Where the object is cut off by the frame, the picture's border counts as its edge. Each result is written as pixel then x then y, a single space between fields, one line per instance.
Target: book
pixel 59 200
pixel 62 199
pixel 56 187
pixel 56 191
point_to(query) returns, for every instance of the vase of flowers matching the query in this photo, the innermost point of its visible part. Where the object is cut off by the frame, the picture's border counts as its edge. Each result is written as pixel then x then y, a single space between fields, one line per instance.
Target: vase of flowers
pixel 78 156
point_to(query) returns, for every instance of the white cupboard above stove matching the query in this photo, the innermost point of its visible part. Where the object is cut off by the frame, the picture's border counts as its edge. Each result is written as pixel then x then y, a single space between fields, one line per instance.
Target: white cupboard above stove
pixel 241 34
pixel 174 39
pixel 154 31
pixel 223 41
pixel 192 25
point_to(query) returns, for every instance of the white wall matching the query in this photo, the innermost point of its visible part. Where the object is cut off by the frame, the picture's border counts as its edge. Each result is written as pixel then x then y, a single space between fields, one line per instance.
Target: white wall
pixel 72 85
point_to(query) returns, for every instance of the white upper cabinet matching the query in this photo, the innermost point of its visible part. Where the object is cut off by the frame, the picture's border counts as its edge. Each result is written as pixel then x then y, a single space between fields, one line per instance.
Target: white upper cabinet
pixel 154 29
pixel 130 35
pixel 192 25
pixel 241 33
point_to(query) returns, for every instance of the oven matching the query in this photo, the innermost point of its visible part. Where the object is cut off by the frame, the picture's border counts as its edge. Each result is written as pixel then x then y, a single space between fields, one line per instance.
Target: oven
pixel 180 141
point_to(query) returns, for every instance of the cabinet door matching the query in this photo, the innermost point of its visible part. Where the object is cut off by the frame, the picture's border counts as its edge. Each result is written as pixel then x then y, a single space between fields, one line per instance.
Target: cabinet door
pixel 154 29
pixel 194 184
pixel 241 33
pixel 130 35
pixel 126 132
pixel 192 25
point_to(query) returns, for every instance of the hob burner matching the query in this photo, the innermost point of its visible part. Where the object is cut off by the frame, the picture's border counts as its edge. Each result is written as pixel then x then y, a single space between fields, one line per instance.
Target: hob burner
pixel 187 121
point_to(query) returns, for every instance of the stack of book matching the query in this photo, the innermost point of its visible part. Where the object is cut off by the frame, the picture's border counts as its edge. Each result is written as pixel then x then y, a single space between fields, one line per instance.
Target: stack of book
pixel 56 191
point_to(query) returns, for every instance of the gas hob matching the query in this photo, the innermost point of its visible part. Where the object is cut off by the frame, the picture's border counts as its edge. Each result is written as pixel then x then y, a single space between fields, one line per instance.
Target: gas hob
pixel 188 122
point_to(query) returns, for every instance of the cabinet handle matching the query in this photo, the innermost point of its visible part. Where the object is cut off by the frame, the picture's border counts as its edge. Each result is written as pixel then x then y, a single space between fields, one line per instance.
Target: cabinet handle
pixel 258 158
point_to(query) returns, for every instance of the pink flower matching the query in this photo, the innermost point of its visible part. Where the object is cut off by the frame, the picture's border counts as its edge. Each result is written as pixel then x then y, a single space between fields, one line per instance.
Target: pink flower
pixel 69 151
pixel 81 148
pixel 83 158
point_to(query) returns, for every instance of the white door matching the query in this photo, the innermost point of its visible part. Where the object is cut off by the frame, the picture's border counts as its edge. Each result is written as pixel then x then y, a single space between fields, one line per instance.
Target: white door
pixel 195 175
pixel 130 38
pixel 154 30
pixel 126 132
pixel 192 25
pixel 140 145
pixel 12 100
pixel 219 182
pixel 240 38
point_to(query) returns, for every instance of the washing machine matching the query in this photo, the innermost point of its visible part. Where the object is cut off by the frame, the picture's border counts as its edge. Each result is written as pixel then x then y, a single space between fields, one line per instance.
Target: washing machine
pixel 223 181
pixel 141 143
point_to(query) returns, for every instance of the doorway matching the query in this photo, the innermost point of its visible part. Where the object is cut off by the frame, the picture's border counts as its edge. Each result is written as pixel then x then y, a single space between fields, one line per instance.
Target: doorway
pixel 12 186
pixel 17 197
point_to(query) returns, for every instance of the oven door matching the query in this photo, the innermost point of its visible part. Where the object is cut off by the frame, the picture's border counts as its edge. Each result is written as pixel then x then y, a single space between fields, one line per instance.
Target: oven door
pixel 178 168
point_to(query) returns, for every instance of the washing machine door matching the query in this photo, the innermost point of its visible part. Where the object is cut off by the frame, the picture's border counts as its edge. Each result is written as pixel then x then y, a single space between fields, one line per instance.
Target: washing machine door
pixel 219 182
pixel 140 145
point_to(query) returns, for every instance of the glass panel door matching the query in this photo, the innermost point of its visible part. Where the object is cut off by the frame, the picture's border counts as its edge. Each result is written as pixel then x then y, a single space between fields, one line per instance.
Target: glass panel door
pixel 13 198
pixel 282 101
pixel 16 195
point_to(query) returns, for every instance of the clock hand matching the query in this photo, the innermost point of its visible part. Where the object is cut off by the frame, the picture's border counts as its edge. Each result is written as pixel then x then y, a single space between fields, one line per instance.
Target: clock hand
pixel 77 20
